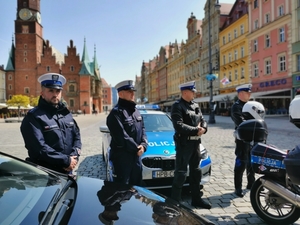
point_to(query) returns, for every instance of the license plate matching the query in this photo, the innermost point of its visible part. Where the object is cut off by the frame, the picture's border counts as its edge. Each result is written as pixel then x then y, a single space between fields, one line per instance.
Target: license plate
pixel 163 174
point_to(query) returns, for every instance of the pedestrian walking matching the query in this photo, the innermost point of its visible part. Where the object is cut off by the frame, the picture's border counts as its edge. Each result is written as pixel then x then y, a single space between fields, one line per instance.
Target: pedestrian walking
pixel 189 125
pixel 242 149
pixel 50 133
pixel 128 137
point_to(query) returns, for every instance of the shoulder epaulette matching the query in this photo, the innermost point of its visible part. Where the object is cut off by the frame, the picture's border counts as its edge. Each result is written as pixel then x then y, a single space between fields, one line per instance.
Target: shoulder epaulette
pixel 33 110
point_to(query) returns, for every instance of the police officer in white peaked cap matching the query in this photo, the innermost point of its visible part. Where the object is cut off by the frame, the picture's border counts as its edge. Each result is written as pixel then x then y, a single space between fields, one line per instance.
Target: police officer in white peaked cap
pixel 242 149
pixel 244 87
pixel 189 125
pixel 188 86
pixel 50 133
pixel 52 80
pixel 125 85
pixel 128 136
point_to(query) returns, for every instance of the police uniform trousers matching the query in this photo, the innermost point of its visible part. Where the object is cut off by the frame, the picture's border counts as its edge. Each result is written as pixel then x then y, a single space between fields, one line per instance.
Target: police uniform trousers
pixel 242 163
pixel 127 169
pixel 187 154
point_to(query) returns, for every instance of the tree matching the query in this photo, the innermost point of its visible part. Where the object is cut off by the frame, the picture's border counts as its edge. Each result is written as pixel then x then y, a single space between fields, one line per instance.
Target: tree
pixel 19 101
pixel 34 100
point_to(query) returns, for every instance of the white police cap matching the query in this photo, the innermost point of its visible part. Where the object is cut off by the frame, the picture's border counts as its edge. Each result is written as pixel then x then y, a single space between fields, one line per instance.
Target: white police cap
pixel 188 86
pixel 52 80
pixel 125 85
pixel 244 87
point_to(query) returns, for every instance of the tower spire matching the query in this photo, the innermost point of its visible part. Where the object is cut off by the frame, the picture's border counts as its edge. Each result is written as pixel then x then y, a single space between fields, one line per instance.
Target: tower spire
pixel 11 58
pixel 86 64
pixel 96 66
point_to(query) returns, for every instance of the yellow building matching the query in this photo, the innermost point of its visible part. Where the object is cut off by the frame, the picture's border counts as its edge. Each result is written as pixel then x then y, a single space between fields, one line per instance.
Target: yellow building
pixel 234 69
pixel 175 73
pixel 192 51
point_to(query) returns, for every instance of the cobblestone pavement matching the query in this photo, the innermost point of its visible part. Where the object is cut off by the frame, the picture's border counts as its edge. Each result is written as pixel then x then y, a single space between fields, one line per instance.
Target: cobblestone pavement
pixel 227 208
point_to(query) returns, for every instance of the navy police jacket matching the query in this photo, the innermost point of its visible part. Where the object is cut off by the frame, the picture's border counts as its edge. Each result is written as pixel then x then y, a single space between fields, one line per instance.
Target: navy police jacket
pixel 186 116
pixel 51 135
pixel 236 113
pixel 127 129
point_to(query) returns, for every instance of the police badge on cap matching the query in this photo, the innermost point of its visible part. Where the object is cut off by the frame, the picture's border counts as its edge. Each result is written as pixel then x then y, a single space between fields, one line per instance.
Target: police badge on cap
pixel 244 87
pixel 188 86
pixel 125 85
pixel 52 80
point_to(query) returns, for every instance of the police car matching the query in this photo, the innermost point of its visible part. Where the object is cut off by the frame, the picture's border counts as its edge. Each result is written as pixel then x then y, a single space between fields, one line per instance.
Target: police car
pixel 159 159
pixel 32 194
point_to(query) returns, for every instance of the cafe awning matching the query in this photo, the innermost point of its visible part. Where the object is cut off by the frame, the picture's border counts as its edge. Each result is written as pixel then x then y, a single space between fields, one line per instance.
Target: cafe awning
pixel 262 94
pixel 21 107
pixel 203 99
pixel 216 98
pixel 219 98
pixel 3 105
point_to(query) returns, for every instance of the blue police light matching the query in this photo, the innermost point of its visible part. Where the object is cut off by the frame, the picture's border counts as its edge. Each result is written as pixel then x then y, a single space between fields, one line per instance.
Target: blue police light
pixel 148 106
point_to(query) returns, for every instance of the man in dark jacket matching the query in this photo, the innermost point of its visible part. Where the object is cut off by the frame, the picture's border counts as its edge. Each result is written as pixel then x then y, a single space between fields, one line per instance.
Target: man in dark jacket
pixel 128 137
pixel 50 133
pixel 189 125
pixel 242 149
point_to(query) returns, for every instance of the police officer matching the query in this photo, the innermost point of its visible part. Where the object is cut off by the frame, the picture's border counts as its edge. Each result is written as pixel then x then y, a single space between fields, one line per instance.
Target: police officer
pixel 112 196
pixel 50 133
pixel 189 125
pixel 128 137
pixel 242 149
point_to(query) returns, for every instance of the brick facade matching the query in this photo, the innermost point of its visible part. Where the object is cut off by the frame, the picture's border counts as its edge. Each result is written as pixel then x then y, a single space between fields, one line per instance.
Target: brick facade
pixel 32 56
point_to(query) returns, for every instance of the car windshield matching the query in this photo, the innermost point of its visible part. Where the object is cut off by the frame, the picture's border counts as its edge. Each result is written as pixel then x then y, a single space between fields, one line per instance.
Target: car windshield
pixel 157 123
pixel 23 188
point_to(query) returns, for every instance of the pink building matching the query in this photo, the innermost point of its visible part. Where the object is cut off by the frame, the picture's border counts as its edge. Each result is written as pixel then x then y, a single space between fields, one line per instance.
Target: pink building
pixel 270 52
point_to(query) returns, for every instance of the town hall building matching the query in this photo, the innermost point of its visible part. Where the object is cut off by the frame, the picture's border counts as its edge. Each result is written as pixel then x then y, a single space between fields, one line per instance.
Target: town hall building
pixel 31 56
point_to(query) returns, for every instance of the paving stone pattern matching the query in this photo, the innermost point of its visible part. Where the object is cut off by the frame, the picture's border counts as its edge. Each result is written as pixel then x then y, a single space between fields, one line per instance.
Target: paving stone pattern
pixel 227 208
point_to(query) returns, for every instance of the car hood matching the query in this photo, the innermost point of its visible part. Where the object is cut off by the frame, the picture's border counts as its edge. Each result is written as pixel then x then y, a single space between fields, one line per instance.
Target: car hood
pixel 103 202
pixel 160 143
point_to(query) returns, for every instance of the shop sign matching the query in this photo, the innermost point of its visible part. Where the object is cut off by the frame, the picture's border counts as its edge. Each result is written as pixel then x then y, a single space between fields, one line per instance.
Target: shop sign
pixel 273 83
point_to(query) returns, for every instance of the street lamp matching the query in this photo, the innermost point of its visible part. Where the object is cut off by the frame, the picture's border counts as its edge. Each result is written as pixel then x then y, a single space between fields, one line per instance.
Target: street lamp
pixel 211 77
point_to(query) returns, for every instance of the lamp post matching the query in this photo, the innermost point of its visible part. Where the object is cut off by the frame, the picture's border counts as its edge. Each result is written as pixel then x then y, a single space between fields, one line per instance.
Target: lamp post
pixel 211 77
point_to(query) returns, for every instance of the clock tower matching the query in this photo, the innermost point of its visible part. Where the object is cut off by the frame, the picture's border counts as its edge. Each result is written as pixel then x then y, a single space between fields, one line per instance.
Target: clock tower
pixel 29 46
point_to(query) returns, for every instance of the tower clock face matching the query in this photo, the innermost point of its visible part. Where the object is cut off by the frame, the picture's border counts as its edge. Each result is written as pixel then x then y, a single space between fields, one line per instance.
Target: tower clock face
pixel 25 14
pixel 38 17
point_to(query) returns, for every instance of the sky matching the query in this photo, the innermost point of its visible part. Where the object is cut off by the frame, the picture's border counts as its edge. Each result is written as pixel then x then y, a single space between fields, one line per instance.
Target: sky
pixel 124 32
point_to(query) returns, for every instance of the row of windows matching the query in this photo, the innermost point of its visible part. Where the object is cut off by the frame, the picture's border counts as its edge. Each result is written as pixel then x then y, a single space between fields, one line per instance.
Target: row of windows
pixel 235 34
pixel 27 89
pixel 281 38
pixel 267 17
pixel 268 66
pixel 235 55
pixel 236 74
pixel 48 68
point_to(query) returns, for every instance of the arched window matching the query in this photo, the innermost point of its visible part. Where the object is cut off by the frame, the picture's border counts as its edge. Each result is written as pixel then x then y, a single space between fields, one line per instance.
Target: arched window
pixel 71 102
pixel 26 90
pixel 71 88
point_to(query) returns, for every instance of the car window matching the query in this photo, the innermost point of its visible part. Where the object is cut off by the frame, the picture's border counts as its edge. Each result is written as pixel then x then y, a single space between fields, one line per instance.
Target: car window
pixel 157 123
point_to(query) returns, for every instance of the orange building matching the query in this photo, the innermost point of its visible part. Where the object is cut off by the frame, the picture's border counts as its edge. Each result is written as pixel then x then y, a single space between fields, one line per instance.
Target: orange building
pixel 107 96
